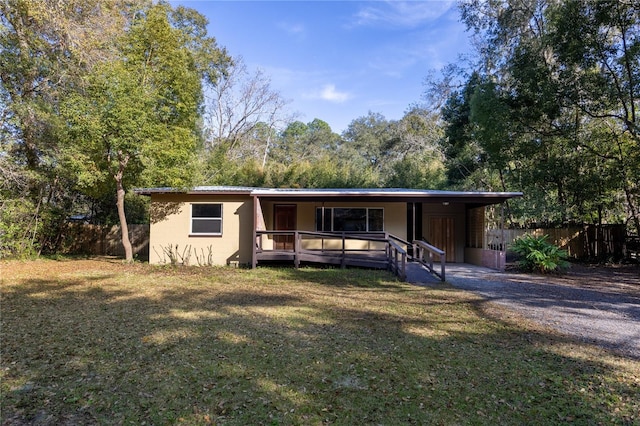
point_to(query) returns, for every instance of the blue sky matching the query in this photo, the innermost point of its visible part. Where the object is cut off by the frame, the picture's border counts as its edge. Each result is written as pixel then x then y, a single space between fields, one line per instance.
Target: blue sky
pixel 338 60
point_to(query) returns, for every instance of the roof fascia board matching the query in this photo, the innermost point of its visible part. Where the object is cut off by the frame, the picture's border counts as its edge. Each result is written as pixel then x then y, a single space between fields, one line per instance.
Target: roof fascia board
pixel 346 194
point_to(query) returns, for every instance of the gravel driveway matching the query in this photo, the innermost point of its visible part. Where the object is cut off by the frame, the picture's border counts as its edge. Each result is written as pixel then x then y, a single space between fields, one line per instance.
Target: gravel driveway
pixel 597 306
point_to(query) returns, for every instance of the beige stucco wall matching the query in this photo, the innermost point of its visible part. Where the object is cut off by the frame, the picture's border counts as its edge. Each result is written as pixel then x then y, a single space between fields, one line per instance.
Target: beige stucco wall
pixel 171 224
pixel 493 259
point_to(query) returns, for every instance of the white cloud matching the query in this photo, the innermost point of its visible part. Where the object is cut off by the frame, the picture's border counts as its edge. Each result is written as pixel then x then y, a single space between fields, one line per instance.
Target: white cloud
pixel 292 29
pixel 328 92
pixel 402 13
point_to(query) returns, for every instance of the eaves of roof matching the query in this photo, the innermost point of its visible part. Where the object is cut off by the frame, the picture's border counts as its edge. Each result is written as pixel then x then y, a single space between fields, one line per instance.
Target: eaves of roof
pixel 377 194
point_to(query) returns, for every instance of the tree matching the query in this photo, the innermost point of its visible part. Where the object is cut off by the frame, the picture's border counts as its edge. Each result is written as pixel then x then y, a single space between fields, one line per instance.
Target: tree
pixel 462 152
pixel 305 142
pixel 135 120
pixel 236 106
pixel 47 47
pixel 552 107
pixel 414 156
pixel 368 139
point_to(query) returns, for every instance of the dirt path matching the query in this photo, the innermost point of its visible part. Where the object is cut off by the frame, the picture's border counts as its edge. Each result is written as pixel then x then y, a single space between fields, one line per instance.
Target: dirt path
pixel 600 305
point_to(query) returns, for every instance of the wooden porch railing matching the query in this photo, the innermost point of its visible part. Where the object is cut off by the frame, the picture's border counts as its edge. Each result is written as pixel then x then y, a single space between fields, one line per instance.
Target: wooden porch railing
pixel 421 248
pixel 397 257
pixel 382 249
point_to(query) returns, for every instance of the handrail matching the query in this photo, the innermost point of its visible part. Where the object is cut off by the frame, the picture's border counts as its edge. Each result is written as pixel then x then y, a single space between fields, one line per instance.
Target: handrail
pixel 421 248
pixel 393 237
pixel 339 235
pixel 395 254
pixel 392 256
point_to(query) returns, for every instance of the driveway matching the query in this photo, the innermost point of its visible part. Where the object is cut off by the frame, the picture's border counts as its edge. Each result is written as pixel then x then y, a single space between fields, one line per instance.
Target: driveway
pixel 596 305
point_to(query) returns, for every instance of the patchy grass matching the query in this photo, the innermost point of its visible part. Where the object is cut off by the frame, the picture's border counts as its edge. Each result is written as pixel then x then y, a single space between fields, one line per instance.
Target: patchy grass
pixel 99 342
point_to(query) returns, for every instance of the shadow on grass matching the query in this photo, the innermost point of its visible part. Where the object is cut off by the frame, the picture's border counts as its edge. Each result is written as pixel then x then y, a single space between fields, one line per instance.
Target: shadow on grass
pixel 350 277
pixel 284 347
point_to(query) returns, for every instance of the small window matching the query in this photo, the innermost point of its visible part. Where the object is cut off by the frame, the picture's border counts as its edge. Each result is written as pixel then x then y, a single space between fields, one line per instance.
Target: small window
pixel 206 219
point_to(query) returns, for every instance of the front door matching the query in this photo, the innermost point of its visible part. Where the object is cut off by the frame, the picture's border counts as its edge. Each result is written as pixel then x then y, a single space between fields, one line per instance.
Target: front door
pixel 284 220
pixel 441 235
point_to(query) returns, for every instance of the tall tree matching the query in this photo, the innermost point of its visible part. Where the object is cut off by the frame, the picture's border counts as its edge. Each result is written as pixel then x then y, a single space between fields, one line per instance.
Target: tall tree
pixel 305 142
pixel 236 106
pixel 367 140
pixel 135 120
pixel 554 102
pixel 462 152
pixel 47 47
pixel 415 155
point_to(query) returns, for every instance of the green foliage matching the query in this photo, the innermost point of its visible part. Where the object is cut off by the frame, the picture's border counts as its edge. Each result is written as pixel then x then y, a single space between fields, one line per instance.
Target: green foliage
pixel 417 171
pixel 551 109
pixel 537 254
pixel 18 229
pixel 367 139
pixel 135 120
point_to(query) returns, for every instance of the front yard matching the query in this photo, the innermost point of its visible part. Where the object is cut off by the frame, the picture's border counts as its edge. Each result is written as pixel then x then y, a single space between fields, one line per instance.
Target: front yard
pixel 99 342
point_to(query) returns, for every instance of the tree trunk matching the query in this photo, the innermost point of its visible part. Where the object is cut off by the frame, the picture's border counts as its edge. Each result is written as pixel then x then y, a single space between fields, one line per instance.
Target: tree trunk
pixel 126 243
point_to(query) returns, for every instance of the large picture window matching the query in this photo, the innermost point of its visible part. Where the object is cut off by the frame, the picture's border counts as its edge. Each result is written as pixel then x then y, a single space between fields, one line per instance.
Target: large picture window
pixel 206 219
pixel 339 219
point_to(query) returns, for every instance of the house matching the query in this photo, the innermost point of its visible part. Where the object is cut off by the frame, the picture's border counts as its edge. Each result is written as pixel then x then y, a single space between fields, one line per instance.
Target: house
pixel 248 226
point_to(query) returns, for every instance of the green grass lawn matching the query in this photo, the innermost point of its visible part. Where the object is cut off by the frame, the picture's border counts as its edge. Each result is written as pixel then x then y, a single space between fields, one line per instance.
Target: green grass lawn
pixel 98 342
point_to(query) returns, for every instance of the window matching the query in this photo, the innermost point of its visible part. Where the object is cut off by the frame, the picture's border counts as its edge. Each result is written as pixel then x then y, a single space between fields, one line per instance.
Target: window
pixel 206 219
pixel 375 218
pixel 323 219
pixel 349 219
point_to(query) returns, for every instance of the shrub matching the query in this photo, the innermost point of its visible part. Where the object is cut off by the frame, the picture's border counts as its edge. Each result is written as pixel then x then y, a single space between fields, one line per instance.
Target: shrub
pixel 18 229
pixel 537 254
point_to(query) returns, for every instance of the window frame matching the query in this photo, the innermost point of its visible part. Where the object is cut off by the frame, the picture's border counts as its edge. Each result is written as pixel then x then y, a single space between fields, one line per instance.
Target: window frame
pixel 219 219
pixel 321 213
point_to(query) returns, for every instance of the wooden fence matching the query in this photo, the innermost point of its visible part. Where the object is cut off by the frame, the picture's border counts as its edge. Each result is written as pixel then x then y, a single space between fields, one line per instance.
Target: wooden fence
pixel 101 240
pixel 582 242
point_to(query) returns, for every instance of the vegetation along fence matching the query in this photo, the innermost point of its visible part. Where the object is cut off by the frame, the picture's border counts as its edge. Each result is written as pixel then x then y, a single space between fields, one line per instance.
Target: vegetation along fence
pixel 582 242
pixel 101 240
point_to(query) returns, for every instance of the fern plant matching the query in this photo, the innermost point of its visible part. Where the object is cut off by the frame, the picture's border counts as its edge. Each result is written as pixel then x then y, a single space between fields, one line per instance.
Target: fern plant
pixel 537 254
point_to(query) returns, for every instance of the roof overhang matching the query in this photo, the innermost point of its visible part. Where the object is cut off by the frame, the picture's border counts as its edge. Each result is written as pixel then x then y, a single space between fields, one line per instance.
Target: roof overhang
pixel 477 198
pixel 202 190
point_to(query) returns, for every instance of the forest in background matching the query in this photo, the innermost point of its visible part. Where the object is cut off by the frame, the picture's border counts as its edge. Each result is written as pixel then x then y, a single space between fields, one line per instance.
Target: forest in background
pixel 101 96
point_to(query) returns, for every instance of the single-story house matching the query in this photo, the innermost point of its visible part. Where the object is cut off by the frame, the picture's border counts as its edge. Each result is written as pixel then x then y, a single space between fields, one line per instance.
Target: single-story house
pixel 222 225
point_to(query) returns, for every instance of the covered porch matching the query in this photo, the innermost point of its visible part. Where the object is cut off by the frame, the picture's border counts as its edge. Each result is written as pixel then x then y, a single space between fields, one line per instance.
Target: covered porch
pixel 376 228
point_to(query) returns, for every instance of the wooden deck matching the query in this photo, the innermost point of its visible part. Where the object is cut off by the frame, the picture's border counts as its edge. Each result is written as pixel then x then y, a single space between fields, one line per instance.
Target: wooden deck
pixel 333 257
pixel 367 250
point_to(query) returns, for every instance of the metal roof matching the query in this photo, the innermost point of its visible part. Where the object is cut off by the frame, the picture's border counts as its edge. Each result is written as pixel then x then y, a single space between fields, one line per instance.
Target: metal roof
pixel 196 190
pixel 378 194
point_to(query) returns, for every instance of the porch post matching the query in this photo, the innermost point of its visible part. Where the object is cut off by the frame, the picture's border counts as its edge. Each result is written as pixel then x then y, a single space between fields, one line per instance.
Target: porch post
pixel 503 248
pixel 343 262
pixel 296 249
pixel 254 256
pixel 502 228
